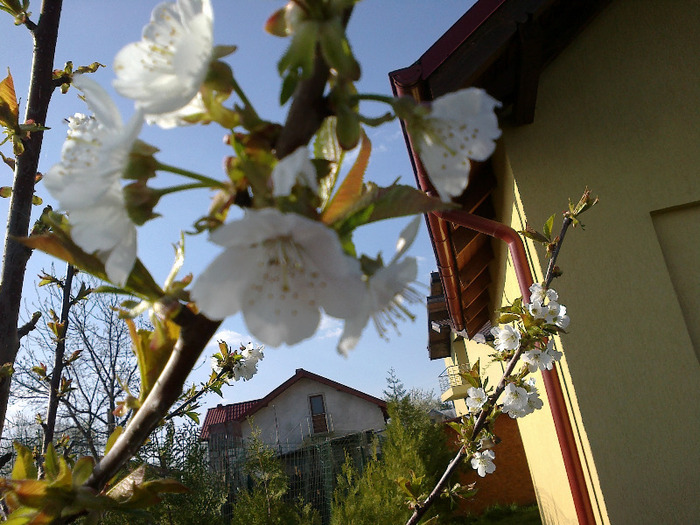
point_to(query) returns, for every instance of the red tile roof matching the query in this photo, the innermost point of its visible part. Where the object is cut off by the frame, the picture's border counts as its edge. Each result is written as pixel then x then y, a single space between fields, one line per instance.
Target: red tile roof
pixel 224 413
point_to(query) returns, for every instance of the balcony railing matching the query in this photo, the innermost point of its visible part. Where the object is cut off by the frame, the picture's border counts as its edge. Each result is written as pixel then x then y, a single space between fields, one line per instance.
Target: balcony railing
pixel 450 377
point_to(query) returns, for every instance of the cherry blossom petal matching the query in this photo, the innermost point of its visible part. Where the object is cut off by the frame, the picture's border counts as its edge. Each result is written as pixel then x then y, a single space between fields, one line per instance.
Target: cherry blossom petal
pixel 280 270
pixel 87 184
pixel 292 169
pixel 165 69
pixel 461 126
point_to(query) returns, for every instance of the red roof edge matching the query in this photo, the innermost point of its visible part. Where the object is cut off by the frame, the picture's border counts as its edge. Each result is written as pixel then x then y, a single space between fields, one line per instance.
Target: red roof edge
pixel 447 43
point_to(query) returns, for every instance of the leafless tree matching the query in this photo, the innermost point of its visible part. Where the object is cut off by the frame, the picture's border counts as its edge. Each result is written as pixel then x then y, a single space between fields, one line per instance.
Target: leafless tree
pixel 99 364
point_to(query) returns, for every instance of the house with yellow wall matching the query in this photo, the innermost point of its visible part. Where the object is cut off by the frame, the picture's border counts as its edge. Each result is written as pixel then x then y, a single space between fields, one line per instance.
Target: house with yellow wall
pixel 605 94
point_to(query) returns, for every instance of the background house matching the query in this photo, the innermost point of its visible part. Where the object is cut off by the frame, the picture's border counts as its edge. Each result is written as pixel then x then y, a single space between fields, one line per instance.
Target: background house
pixel 304 408
pixel 313 423
pixel 604 94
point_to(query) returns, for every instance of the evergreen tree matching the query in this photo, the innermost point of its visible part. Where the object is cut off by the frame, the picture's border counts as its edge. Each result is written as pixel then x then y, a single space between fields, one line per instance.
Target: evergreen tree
pixel 395 389
pixel 414 448
pixel 264 504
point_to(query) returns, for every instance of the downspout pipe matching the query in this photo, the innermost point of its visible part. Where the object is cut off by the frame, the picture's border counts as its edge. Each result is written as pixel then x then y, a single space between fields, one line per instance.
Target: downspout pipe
pixel 555 395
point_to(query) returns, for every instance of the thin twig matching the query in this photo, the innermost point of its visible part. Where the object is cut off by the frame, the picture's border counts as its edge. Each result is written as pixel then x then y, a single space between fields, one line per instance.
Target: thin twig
pixel 421 509
pixel 555 252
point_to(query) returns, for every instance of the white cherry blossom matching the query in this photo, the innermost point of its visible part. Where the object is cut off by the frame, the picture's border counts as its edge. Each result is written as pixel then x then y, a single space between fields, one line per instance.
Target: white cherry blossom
pixel 292 169
pixel 536 359
pixel 385 293
pixel 553 352
pixel 279 270
pixel 479 338
pixel 476 398
pixel 533 402
pixel 164 71
pixel 540 293
pixel 482 462
pixel 506 338
pixel 179 117
pixel 461 126
pixel 562 320
pixel 514 400
pixel 87 181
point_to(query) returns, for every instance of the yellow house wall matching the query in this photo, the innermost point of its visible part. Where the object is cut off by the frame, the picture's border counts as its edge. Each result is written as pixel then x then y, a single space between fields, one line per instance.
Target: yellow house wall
pixel 618 111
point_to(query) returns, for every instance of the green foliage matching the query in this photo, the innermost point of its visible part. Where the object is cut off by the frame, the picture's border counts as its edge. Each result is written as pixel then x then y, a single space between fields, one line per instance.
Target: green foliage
pixel 414 450
pixel 395 389
pixel 202 503
pixel 265 504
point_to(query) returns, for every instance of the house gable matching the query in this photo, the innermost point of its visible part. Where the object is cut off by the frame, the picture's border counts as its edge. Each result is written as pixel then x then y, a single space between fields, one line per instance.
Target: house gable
pixel 284 416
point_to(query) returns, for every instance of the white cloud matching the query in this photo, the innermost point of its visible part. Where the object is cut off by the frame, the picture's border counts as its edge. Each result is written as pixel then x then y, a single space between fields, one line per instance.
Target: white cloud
pixel 329 327
pixel 230 336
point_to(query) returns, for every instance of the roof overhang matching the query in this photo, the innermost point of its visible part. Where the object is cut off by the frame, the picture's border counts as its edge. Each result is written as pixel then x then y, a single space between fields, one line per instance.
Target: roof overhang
pixel 501 46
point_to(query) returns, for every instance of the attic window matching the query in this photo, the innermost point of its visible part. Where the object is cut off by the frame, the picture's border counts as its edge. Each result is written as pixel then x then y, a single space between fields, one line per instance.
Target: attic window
pixel 319 422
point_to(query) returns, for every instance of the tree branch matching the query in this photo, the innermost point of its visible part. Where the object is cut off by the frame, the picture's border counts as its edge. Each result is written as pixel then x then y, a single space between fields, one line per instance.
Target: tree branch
pixel 549 276
pixel 196 332
pixel 28 326
pixel 16 255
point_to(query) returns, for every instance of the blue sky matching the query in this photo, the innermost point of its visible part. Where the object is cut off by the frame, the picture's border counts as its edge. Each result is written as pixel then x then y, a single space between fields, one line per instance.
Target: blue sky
pixel 385 35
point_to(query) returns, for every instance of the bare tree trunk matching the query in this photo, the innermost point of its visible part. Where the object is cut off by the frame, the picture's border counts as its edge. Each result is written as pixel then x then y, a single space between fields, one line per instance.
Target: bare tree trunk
pixel 57 372
pixel 15 255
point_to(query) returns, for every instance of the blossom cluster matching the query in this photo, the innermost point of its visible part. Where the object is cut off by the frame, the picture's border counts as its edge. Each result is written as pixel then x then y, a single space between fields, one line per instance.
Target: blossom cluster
pixel 529 331
pixel 519 401
pixel 239 365
pixel 544 305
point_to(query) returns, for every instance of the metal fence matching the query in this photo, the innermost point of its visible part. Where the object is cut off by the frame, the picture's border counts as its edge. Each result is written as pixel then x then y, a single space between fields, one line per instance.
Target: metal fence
pixel 312 469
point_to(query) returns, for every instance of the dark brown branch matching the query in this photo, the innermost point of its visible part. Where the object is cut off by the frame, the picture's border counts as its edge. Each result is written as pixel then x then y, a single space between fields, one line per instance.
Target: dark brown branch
pixel 16 255
pixel 421 509
pixel 179 411
pixel 555 252
pixel 30 325
pixel 308 110
pixel 57 372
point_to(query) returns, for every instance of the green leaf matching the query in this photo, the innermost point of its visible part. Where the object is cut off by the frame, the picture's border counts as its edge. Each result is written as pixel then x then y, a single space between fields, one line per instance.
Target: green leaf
pixel 336 49
pixel 548 227
pixel 533 234
pixel 113 438
pixel 24 464
pixel 289 85
pixel 326 147
pixel 193 416
pixel 51 463
pixel 9 109
pixel 399 201
pixel 223 51
pixel 165 485
pixel 301 52
pixel 82 470
pixel 59 244
pixel 507 318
